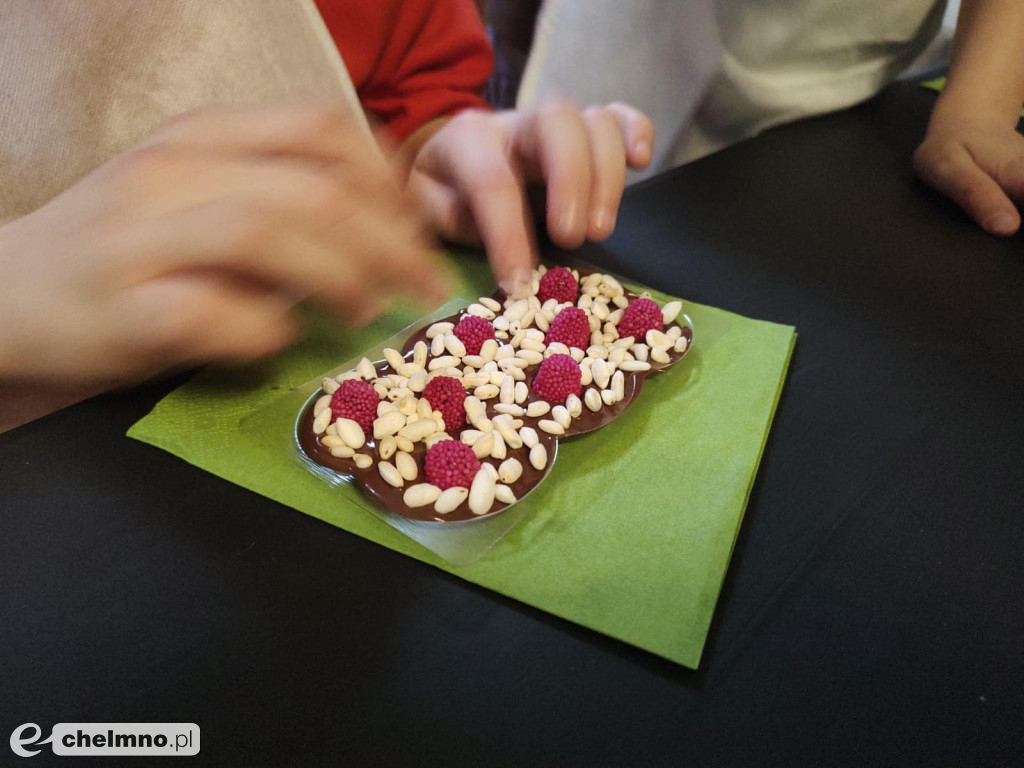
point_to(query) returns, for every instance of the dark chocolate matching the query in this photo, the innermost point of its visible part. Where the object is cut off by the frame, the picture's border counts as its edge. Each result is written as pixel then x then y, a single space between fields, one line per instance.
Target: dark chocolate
pixel 588 421
pixel 390 498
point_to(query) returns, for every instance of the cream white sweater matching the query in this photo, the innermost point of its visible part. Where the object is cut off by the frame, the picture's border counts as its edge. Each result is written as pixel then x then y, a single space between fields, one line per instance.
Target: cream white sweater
pixel 712 72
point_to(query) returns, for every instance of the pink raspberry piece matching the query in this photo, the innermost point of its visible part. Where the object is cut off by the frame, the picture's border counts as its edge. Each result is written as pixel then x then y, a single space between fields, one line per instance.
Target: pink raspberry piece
pixel 355 399
pixel 559 284
pixel 558 377
pixel 570 327
pixel 473 331
pixel 450 464
pixel 446 394
pixel 640 317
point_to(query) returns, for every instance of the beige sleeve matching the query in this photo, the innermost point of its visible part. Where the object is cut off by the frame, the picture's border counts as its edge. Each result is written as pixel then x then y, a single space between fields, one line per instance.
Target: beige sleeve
pixel 81 81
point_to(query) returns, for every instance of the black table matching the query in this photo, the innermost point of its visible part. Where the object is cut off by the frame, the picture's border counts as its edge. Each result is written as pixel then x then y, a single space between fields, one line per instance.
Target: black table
pixel 873 610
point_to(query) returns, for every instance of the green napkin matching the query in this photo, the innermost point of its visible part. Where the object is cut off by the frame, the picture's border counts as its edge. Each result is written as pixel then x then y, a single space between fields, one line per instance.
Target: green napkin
pixel 630 534
pixel 938 83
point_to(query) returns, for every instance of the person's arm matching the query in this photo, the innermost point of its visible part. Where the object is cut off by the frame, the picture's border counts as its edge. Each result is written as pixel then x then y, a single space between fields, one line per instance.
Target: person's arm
pixel 972 151
pixel 412 61
pixel 470 178
pixel 419 66
pixel 195 245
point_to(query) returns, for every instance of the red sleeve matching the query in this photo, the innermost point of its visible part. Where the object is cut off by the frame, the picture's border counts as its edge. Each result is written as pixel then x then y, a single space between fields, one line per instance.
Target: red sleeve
pixel 411 60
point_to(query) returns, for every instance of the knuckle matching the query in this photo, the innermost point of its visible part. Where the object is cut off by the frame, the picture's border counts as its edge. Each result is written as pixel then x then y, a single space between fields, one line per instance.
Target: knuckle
pixel 558 112
pixel 597 113
pixel 941 166
pixel 493 177
pixel 471 122
pixel 645 123
pixel 945 168
pixel 628 113
pixel 241 225
pixel 633 117
pixel 373 183
pixel 316 119
pixel 186 321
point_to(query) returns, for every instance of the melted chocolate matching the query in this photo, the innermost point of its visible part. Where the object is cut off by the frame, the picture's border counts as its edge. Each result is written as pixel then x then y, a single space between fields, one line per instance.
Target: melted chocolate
pixel 588 420
pixel 390 498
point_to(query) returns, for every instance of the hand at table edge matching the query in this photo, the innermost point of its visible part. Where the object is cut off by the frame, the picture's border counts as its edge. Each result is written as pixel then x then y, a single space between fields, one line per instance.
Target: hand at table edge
pixel 971 151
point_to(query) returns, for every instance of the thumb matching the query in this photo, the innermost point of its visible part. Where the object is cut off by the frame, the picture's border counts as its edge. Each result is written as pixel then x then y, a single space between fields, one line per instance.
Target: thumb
pixel 952 171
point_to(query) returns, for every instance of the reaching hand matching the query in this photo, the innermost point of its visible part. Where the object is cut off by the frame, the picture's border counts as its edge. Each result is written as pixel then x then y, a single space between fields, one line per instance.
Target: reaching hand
pixel 195 246
pixel 471 177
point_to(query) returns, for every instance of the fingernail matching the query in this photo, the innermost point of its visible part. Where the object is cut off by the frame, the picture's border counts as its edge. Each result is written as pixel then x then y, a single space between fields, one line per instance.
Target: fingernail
pixel 641 151
pixel 604 221
pixel 1002 223
pixel 518 286
pixel 567 219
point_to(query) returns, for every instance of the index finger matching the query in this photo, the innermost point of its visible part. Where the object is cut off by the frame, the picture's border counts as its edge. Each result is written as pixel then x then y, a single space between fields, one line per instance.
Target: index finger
pixel 475 161
pixel 555 139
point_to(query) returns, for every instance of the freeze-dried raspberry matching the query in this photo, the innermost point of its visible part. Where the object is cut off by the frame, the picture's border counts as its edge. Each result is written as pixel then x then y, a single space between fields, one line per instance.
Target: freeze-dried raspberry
pixel 571 327
pixel 355 399
pixel 450 463
pixel 558 377
pixel 559 284
pixel 446 394
pixel 640 316
pixel 473 331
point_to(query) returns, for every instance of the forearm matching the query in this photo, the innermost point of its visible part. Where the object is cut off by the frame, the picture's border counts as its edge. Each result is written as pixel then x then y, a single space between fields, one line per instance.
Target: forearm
pixel 986 76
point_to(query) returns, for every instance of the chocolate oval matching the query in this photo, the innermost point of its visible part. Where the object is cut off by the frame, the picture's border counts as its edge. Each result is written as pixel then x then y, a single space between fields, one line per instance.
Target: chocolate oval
pixel 374 486
pixel 389 498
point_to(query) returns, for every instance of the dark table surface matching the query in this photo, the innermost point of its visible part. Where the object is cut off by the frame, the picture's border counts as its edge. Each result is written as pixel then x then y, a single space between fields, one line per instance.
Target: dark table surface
pixel 873 609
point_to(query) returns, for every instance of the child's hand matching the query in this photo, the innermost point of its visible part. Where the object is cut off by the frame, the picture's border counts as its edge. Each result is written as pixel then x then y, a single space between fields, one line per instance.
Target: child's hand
pixel 471 176
pixel 979 164
pixel 196 245
pixel 971 151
